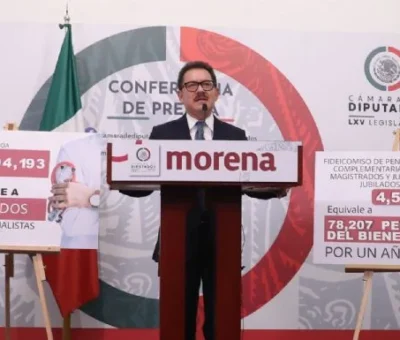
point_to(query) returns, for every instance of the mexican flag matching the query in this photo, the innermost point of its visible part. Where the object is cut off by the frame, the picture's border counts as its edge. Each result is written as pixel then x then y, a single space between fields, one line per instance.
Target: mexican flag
pixel 73 273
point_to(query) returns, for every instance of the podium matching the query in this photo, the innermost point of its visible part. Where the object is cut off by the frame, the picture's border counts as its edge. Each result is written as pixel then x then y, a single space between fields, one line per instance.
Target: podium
pixel 226 169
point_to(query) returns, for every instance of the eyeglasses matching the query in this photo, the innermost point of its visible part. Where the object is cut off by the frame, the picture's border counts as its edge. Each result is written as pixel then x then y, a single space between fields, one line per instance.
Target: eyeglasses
pixel 192 86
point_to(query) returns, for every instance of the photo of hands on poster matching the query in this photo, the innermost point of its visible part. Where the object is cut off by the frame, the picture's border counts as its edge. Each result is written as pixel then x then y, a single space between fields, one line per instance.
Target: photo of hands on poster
pixel 75 190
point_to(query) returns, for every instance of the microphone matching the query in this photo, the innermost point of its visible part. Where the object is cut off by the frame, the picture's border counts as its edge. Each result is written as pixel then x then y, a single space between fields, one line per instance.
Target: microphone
pixel 204 108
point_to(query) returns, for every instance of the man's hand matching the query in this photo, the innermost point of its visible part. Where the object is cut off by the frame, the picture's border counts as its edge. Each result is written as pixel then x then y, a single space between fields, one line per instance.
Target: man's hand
pixel 280 193
pixel 71 194
pixel 265 194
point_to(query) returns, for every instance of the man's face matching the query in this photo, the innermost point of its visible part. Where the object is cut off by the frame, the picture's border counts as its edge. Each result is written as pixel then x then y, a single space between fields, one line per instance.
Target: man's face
pixel 193 95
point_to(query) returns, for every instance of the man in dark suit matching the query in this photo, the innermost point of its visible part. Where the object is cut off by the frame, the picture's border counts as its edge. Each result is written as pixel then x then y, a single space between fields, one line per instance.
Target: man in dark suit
pixel 198 92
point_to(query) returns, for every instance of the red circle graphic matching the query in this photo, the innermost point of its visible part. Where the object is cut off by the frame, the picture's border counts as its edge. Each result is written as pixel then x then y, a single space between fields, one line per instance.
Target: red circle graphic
pixel 294 242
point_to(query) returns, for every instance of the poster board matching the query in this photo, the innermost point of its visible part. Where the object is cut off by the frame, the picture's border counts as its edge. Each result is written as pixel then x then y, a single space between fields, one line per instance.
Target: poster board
pixel 30 163
pixel 356 223
pixel 357 197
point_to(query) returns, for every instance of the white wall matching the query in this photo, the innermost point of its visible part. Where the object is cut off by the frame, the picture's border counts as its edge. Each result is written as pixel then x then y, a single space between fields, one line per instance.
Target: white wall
pixel 320 15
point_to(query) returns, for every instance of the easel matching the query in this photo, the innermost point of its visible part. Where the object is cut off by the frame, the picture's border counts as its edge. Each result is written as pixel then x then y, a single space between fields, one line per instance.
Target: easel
pixel 369 270
pixel 36 254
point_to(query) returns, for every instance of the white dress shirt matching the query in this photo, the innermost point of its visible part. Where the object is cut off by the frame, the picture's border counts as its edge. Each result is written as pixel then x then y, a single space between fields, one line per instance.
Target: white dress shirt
pixel 208 128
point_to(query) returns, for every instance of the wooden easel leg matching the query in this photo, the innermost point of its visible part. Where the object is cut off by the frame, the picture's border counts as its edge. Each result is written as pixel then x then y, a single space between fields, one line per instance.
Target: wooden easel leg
pixel 40 277
pixel 367 288
pixel 9 273
pixel 66 332
pixel 396 141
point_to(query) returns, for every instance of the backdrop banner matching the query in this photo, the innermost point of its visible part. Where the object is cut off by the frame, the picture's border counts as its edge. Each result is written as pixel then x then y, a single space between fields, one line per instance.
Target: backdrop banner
pixel 331 91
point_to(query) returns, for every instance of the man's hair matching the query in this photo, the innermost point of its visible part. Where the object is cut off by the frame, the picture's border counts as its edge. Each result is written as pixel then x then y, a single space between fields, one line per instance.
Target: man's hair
pixel 193 65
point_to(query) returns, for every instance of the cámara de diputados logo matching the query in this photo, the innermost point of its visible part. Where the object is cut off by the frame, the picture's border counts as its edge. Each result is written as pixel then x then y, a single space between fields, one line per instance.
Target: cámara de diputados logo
pixel 143 154
pixel 380 107
pixel 382 68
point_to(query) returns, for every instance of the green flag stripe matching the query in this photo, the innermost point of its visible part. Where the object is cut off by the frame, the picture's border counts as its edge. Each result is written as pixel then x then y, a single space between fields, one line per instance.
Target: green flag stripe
pixel 64 98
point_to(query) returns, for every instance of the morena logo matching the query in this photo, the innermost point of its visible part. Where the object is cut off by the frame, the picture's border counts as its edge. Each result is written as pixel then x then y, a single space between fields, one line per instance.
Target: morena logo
pixel 231 161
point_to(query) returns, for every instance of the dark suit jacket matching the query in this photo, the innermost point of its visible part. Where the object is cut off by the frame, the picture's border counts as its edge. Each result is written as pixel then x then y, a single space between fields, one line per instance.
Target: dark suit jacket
pixel 179 130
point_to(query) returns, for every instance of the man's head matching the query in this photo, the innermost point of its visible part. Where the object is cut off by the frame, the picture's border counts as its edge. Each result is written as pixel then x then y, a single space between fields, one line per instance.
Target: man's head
pixel 197 86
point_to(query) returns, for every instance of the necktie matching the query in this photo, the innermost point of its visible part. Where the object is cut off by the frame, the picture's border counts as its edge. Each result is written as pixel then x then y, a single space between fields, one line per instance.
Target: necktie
pixel 200 136
pixel 199 130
